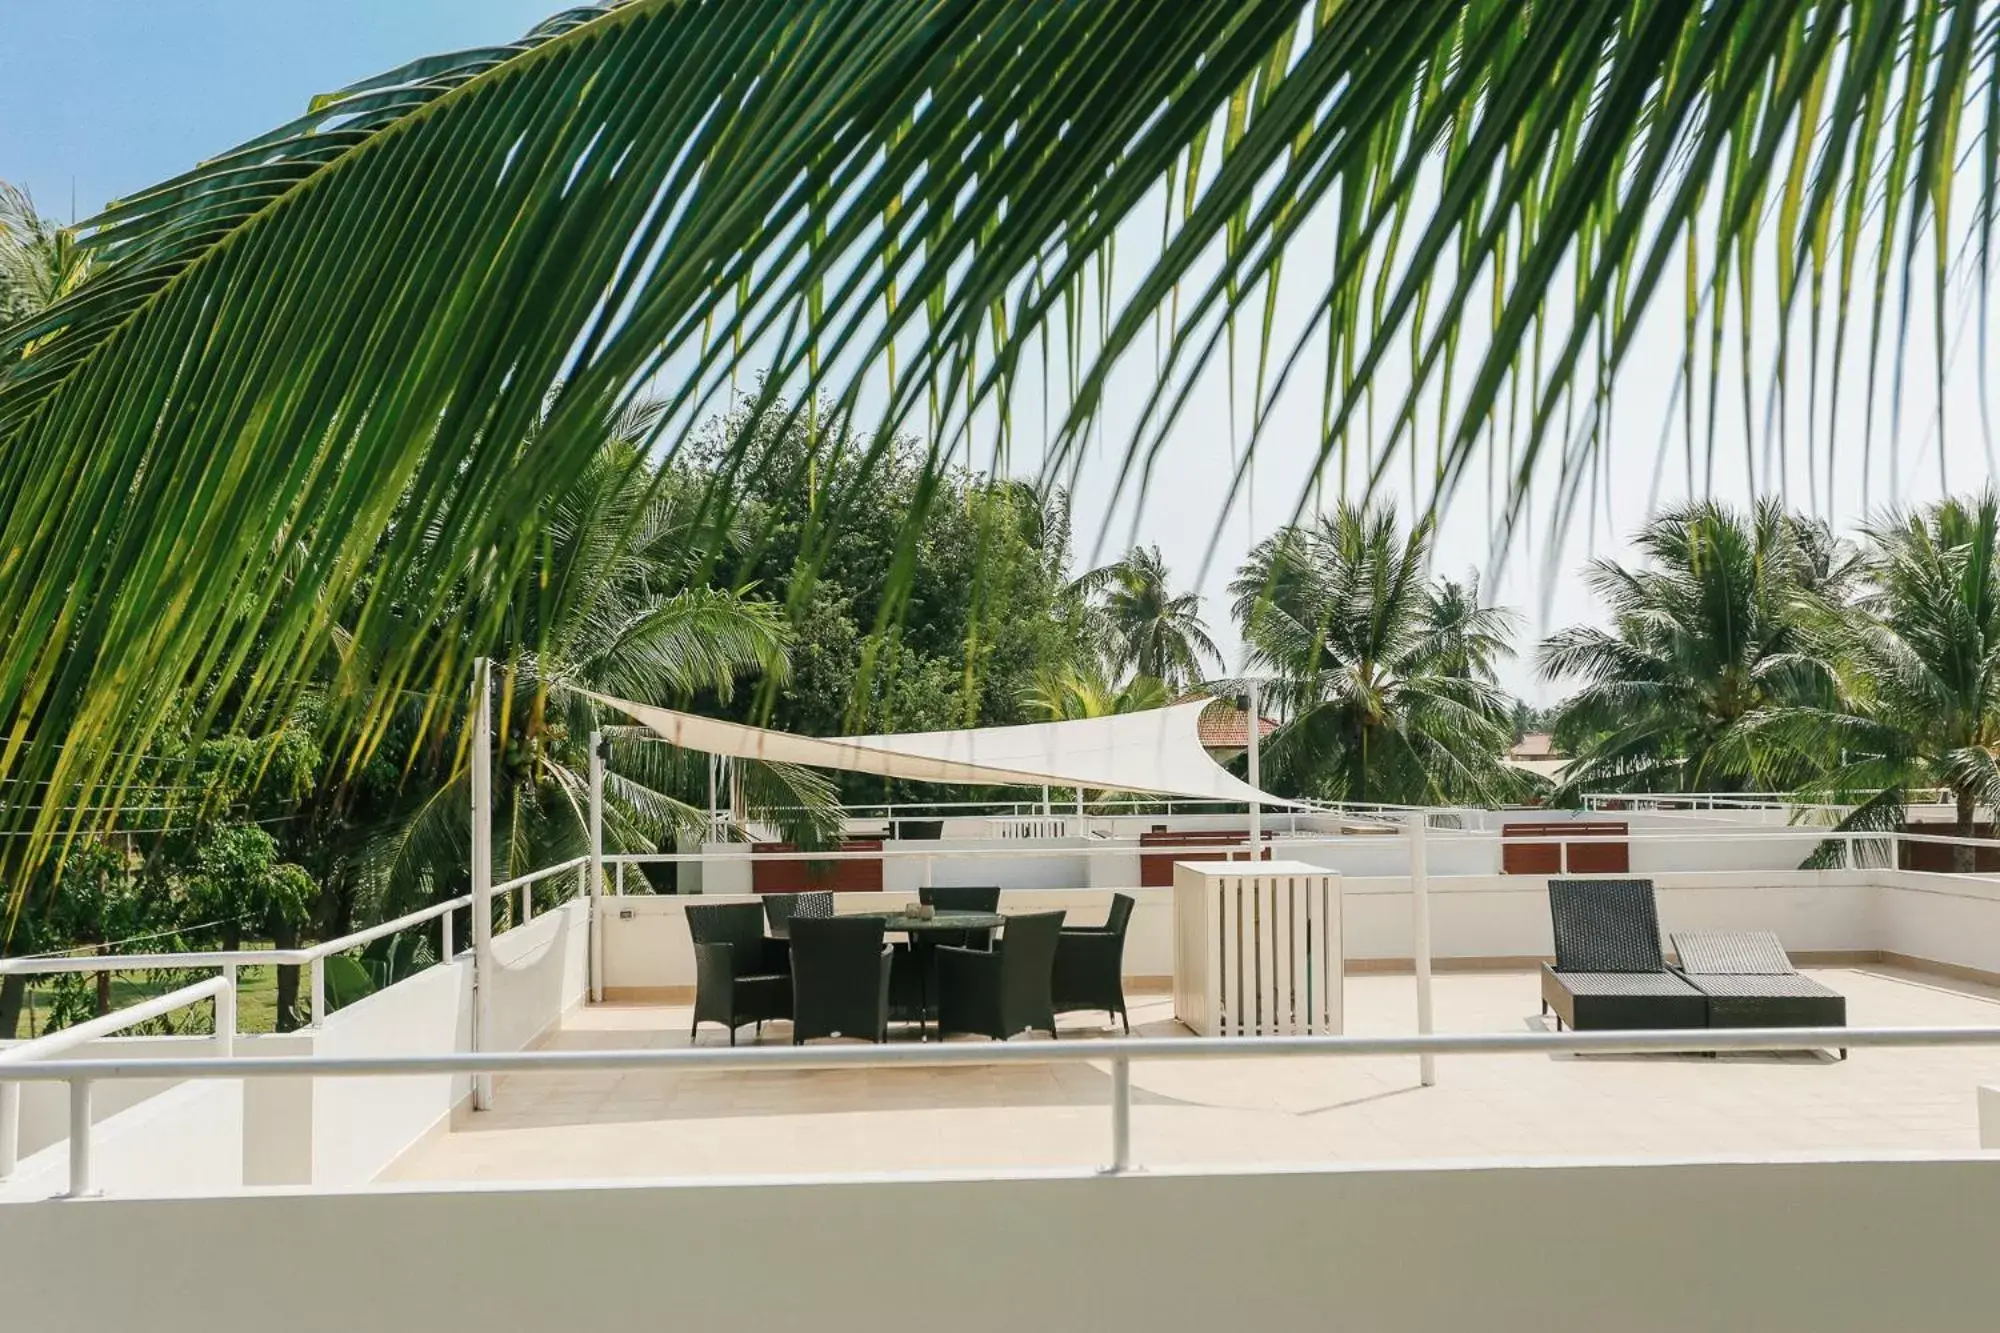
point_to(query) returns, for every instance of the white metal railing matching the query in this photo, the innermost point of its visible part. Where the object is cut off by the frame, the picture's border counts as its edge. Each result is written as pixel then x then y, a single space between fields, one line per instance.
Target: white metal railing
pixel 312 956
pixel 222 989
pixel 1119 1054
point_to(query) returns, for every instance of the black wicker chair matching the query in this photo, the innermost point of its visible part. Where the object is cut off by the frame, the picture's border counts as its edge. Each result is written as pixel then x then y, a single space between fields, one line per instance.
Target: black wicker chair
pixel 961 897
pixel 1090 964
pixel 1006 990
pixel 1609 973
pixel 913 992
pixel 1750 982
pixel 740 975
pixel 840 978
pixel 780 909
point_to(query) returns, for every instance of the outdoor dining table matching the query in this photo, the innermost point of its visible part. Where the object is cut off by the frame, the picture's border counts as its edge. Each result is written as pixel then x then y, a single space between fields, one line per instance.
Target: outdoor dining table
pixel 925 933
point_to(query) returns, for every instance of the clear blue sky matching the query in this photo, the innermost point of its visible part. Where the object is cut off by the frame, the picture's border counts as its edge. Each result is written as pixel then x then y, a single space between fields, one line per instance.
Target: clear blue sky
pixel 113 95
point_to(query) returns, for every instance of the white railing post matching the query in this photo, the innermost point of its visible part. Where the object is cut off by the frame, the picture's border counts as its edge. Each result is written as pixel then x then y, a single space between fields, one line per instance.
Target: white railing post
pixel 482 871
pixel 594 869
pixel 1121 1116
pixel 81 1185
pixel 319 990
pixel 1420 937
pixel 618 889
pixel 10 1128
pixel 527 901
pixel 1256 807
pixel 1562 856
pixel 444 933
pixel 225 1012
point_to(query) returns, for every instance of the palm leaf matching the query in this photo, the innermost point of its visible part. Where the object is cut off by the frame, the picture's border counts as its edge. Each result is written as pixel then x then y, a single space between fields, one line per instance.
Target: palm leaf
pixel 325 344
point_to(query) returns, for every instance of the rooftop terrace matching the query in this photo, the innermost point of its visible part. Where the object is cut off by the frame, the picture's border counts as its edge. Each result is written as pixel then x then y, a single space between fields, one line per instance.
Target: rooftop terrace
pixel 1254 1111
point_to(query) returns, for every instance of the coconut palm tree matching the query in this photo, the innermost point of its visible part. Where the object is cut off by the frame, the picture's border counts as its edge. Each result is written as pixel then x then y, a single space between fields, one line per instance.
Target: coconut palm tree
pixel 1472 637
pixel 1920 673
pixel 1707 639
pixel 40 262
pixel 619 611
pixel 321 346
pixel 1377 700
pixel 1067 692
pixel 1150 631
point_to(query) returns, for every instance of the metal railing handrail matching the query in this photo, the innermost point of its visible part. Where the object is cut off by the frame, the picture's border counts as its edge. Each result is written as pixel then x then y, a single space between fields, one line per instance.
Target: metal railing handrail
pixel 312 956
pixel 1119 1053
pixel 921 848
pixel 222 989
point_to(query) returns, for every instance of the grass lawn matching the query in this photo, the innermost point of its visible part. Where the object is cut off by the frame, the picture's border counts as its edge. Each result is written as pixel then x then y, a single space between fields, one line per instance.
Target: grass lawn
pixel 256 1000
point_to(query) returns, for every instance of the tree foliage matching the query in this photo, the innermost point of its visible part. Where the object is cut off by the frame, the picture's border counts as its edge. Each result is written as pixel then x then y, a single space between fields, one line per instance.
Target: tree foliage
pixel 1373 667
pixel 303 367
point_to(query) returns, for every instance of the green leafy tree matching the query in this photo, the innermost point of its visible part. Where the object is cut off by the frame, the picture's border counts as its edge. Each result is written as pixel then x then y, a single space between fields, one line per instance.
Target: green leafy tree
pixel 1375 691
pixel 1708 637
pixel 619 609
pixel 914 602
pixel 1151 631
pixel 1068 692
pixel 1920 673
pixel 239 881
pixel 915 195
pixel 40 262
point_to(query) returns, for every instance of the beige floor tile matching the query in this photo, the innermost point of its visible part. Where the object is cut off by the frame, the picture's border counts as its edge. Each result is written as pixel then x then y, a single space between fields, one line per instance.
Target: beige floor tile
pixel 642 1124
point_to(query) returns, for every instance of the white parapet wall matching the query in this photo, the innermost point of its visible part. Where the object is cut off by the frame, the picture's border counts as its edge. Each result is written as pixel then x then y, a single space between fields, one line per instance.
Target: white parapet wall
pixel 1485 919
pixel 1831 1246
pixel 220 1135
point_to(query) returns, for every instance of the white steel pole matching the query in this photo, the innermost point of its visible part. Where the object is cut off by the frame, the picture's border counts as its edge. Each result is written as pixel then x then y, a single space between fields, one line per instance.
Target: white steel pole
pixel 1256 807
pixel 1420 936
pixel 81 1182
pixel 482 871
pixel 597 862
pixel 10 1128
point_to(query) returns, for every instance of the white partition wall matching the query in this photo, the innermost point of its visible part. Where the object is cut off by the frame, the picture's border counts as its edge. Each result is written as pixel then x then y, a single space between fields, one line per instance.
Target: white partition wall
pixel 1257 952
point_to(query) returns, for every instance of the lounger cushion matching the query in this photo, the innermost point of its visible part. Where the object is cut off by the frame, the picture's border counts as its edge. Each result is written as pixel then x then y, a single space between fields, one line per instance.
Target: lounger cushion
pixel 1734 953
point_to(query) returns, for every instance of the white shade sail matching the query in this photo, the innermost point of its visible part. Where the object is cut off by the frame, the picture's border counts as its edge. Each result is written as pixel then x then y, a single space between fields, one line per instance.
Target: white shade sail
pixel 1157 752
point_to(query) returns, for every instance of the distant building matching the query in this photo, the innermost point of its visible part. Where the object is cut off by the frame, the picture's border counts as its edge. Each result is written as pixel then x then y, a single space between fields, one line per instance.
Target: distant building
pixel 1536 753
pixel 1225 730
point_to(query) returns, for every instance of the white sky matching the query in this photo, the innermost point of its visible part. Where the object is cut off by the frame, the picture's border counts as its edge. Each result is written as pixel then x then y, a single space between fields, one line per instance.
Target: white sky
pixel 1540 574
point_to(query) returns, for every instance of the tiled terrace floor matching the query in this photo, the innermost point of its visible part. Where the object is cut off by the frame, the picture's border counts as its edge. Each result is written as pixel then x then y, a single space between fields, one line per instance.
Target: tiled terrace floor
pixel 1238 1111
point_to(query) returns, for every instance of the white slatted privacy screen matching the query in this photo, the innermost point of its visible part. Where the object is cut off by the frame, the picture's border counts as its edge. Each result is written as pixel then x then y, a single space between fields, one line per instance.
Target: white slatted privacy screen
pixel 1257 952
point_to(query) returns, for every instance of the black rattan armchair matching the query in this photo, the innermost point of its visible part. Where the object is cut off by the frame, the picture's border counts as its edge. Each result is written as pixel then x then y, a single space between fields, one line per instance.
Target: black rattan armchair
pixel 960 898
pixel 840 978
pixel 1090 964
pixel 740 975
pixel 780 909
pixel 1609 972
pixel 1004 991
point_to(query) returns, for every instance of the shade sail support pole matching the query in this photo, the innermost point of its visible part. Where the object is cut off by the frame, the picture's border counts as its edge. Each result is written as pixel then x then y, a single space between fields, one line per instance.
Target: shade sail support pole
pixel 1420 935
pixel 597 867
pixel 1256 807
pixel 482 873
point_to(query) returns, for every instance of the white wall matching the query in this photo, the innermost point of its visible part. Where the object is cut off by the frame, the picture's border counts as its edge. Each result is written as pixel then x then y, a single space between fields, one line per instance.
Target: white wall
pixel 1827 1246
pixel 331 1132
pixel 45 1106
pixel 1472 916
pixel 1951 919
pixel 185 1140
pixel 360 1125
pixel 646 944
